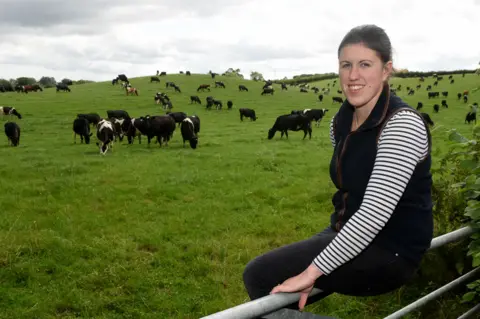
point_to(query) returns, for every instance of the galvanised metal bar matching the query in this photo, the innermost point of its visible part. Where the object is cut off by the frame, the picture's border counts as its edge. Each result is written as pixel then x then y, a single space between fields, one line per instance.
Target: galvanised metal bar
pixel 471 312
pixel 270 303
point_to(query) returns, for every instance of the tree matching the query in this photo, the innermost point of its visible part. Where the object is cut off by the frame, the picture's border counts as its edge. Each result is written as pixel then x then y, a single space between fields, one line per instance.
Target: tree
pixel 256 76
pixel 233 72
pixel 26 81
pixel 47 82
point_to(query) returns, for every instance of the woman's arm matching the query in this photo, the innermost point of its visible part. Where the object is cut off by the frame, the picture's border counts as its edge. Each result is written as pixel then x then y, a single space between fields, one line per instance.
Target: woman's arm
pixel 402 144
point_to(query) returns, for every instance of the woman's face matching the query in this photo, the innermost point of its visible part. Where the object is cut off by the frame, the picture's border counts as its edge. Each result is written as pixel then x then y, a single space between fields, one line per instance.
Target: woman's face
pixel 362 74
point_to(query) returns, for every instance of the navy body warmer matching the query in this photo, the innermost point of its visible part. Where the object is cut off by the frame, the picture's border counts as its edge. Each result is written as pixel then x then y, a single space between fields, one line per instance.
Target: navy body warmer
pixel 409 230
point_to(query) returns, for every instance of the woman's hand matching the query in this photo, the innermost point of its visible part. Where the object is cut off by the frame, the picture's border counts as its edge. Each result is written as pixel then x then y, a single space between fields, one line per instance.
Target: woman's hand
pixel 302 283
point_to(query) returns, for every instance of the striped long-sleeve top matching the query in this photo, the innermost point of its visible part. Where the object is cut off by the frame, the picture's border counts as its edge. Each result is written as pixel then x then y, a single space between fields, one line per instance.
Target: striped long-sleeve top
pixel 402 144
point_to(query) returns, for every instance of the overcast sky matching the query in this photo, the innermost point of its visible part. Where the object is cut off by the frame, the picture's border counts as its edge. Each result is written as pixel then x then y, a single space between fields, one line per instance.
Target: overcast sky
pixel 98 39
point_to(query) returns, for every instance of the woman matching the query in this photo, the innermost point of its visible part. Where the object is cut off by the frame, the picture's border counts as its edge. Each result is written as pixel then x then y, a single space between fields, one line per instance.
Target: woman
pixel 382 224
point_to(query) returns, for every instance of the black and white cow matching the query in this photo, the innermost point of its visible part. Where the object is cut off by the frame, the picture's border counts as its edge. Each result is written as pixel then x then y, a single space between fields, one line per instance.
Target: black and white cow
pixel 106 135
pixel 427 118
pixel 178 116
pixel 268 90
pixel 315 115
pixel 189 128
pixel 242 87
pixel 117 127
pixel 245 112
pixel 118 114
pixel 81 126
pixel 161 127
pixel 62 87
pixel 229 104
pixel 292 122
pixel 419 105
pixel 10 111
pixel 470 117
pixel 337 99
pixel 195 99
pixel 12 131
pixel 135 127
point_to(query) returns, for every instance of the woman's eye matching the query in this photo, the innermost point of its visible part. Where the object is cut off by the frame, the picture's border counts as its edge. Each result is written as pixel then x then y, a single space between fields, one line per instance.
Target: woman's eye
pixel 346 65
pixel 364 65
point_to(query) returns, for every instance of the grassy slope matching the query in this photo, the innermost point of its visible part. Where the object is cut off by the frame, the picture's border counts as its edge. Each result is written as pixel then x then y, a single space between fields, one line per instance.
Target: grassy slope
pixel 148 231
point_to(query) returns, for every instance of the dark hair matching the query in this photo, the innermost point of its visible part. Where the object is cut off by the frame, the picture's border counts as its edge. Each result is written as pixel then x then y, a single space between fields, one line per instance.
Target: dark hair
pixel 372 37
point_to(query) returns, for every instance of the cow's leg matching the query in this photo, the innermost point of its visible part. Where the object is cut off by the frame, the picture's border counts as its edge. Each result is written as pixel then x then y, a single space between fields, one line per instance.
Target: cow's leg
pixel 286 134
pixel 74 138
pixel 241 117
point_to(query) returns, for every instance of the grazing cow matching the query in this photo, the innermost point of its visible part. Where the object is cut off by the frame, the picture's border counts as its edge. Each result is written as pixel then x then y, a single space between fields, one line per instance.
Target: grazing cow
pixel 445 93
pixel 218 104
pixel 12 131
pixel 452 81
pixel 62 87
pixel 284 87
pixel 471 116
pixel 154 79
pixel 465 92
pixel 444 103
pixel 337 99
pixel 436 108
pixel 219 84
pixel 419 86
pixel 177 89
pixel 209 100
pixel 204 87
pixel 29 88
pixel 315 115
pixel 163 73
pixel 212 74
pixel 115 81
pixel 134 127
pixel 105 135
pixel 189 129
pixel 339 91
pixel 177 116
pixel 293 122
pixel 10 111
pixel 429 87
pixel 303 90
pixel 419 105
pixel 268 91
pixel 411 92
pixel 195 99
pixel 435 83
pixel 427 118
pixel 433 94
pixel 131 91
pixel 92 118
pixel 123 78
pixel 459 95
pixel 465 98
pixel 244 112
pixel 242 87
pixel 117 125
pixel 169 84
pixel 188 73
pixel 315 90
pixel 320 97
pixel 162 127
pixel 81 126
pixel 229 104
pixel 117 114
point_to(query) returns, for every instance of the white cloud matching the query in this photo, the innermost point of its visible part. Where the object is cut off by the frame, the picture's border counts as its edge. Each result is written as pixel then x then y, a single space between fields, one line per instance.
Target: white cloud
pixel 98 39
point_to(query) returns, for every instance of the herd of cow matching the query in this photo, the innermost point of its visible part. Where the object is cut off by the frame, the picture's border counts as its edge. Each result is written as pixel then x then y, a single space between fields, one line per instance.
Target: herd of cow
pixel 119 124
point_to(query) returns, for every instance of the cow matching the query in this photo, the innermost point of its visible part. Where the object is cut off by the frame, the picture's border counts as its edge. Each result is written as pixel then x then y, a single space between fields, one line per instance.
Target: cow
pixel 177 116
pixel 117 125
pixel 209 100
pixel 244 112
pixel 62 87
pixel 92 118
pixel 154 79
pixel 131 91
pixel 429 87
pixel 445 93
pixel 219 84
pixel 465 98
pixel 188 73
pixel 470 117
pixel 212 74
pixel 123 78
pixel 218 104
pixel 419 105
pixel 106 135
pixel 163 73
pixel 436 108
pixel 337 99
pixel 188 128
pixel 160 126
pixel 459 95
pixel 115 81
pixel 204 87
pixel 169 84
pixel 117 114
pixel 444 104
pixel 12 131
pixel 134 127
pixel 427 118
pixel 293 122
pixel 28 88
pixel 452 81
pixel 10 111
pixel 268 91
pixel 320 97
pixel 411 92
pixel 315 115
pixel 284 87
pixel 229 104
pixel 303 90
pixel 81 126
pixel 433 94
pixel 242 87
pixel 195 99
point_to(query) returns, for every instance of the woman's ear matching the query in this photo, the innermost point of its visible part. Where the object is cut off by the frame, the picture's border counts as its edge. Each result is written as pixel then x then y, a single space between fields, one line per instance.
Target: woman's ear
pixel 387 70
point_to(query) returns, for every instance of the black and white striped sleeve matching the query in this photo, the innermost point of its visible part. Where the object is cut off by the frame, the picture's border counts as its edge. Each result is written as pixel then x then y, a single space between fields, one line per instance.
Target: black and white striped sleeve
pixel 332 135
pixel 402 144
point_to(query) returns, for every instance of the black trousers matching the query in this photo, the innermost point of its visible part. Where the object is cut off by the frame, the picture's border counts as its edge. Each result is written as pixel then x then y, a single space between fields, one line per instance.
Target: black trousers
pixel 375 271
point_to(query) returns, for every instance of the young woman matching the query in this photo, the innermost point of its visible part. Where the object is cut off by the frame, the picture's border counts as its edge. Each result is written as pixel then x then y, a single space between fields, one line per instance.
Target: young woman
pixel 382 222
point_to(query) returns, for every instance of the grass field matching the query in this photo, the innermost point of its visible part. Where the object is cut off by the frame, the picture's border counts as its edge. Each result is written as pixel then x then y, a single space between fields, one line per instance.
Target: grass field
pixel 166 232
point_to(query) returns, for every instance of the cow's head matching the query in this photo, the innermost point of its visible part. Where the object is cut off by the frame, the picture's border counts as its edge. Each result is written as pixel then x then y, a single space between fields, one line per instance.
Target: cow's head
pixel 14 112
pixel 193 142
pixel 271 133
